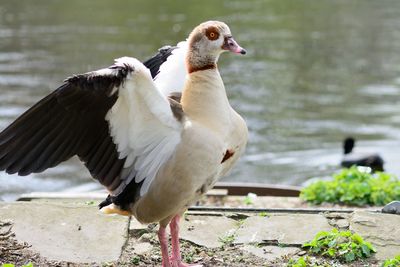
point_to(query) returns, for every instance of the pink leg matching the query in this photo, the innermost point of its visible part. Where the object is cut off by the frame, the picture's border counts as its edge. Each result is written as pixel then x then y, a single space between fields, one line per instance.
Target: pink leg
pixel 176 258
pixel 174 226
pixel 162 237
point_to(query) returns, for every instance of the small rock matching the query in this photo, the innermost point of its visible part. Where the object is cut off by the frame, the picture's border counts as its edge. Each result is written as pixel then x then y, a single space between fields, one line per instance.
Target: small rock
pixel 203 254
pixel 142 248
pixel 155 257
pixel 302 252
pixel 238 216
pixel 393 208
pixel 145 237
pixel 339 223
pixel 342 224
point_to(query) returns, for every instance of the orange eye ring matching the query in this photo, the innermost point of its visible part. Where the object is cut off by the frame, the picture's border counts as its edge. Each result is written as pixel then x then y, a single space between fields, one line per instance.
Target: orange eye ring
pixel 212 34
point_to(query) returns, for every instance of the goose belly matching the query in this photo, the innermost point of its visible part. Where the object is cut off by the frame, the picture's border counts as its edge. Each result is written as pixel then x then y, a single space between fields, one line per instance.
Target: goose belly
pixel 194 169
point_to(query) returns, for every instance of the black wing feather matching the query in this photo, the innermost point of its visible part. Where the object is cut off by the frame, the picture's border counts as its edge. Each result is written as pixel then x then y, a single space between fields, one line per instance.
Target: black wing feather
pixel 158 59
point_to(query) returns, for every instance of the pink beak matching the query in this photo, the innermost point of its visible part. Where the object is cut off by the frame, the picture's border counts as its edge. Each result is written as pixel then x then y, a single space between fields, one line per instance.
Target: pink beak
pixel 231 45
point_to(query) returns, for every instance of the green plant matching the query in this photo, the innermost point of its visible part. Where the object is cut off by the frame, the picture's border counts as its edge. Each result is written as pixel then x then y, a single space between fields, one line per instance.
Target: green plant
pixel 250 199
pixel 342 245
pixel 301 262
pixel 89 203
pixel 354 187
pixel 227 239
pixel 240 222
pixel 12 265
pixel 135 260
pixel 395 262
pixel 307 261
pixel 188 256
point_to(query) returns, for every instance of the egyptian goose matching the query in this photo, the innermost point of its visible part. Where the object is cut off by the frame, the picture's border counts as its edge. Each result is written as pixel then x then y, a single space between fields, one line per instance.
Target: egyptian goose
pixel 350 158
pixel 156 151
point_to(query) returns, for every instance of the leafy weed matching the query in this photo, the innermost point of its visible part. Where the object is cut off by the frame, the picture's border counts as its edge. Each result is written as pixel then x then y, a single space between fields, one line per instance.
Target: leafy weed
pixel 354 187
pixel 395 262
pixel 342 245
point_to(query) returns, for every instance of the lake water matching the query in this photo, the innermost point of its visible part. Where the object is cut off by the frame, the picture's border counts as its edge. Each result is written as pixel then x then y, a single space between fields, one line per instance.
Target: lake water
pixel 316 72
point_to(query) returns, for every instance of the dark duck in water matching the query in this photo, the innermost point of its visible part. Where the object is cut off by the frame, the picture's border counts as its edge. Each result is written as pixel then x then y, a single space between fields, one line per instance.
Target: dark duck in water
pixel 350 158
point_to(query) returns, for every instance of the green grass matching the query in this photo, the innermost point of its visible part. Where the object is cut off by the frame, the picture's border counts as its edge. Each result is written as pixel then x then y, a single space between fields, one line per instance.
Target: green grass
pixel 344 246
pixel 395 262
pixel 354 187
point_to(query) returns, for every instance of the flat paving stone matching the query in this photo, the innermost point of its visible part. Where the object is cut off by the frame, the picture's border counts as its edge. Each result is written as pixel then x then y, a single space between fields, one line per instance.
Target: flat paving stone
pixel 207 230
pixel 291 229
pixel 271 253
pixel 382 230
pixel 74 233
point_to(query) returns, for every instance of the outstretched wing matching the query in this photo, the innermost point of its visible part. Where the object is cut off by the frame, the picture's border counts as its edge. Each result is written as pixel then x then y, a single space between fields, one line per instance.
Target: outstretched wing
pixel 103 117
pixel 144 127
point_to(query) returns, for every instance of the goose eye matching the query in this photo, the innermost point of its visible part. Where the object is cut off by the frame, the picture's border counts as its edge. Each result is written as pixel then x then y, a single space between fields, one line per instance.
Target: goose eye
pixel 212 33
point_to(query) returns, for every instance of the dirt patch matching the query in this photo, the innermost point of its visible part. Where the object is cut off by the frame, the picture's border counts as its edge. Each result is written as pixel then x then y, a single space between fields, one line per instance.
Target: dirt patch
pixel 227 255
pixel 13 252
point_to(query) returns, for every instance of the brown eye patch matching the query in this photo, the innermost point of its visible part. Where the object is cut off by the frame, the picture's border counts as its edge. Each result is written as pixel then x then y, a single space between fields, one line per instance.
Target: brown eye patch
pixel 212 33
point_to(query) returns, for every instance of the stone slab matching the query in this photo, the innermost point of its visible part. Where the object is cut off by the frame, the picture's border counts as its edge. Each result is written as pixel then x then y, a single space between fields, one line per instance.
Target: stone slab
pixel 382 230
pixel 206 230
pixel 79 234
pixel 291 229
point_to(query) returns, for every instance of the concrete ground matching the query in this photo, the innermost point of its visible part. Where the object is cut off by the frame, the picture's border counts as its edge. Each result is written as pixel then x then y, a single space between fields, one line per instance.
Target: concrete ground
pixel 73 231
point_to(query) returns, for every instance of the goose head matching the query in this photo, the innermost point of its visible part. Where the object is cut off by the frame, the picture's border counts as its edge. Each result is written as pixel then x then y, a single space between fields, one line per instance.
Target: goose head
pixel 206 42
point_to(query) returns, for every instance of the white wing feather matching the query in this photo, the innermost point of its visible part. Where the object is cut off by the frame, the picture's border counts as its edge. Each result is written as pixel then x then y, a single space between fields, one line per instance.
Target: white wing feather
pixel 142 126
pixel 172 75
